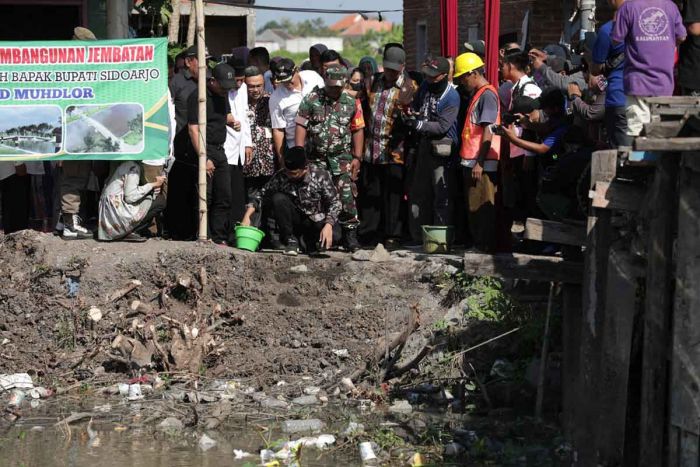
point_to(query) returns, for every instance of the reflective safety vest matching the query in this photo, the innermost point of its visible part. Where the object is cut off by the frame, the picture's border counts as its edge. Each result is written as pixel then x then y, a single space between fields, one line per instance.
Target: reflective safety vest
pixel 473 134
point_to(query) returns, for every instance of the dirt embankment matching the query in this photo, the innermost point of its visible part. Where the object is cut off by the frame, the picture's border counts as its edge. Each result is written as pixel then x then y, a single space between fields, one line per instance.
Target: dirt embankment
pixel 70 311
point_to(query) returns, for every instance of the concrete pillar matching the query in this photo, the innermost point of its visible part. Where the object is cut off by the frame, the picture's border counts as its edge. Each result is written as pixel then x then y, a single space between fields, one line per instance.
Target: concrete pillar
pixel 118 12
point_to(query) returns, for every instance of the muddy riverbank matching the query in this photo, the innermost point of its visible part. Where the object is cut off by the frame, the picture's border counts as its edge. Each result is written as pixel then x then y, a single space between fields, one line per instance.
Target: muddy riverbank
pixel 232 345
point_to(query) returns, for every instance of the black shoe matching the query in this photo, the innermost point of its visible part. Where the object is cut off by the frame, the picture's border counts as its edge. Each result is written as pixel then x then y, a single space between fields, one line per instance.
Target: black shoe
pixel 134 238
pixel 392 244
pixel 291 247
pixel 275 244
pixel 350 242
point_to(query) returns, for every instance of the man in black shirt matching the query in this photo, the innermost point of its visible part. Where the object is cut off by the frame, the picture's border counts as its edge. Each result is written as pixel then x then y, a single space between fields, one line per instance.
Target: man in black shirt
pixel 689 63
pixel 221 81
pixel 181 218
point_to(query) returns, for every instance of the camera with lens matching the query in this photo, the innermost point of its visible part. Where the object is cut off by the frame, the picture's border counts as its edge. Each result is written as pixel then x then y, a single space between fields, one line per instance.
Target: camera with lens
pixel 509 118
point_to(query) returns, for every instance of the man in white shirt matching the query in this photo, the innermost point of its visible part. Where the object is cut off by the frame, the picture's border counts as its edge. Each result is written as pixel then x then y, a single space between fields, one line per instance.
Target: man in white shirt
pixel 239 143
pixel 292 86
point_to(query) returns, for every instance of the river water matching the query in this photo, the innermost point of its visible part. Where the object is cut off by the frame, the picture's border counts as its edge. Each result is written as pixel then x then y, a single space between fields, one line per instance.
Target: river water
pixel 125 437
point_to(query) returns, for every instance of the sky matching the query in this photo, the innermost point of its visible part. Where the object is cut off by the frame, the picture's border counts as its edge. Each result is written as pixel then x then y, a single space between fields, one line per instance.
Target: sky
pixel 265 16
pixel 15 116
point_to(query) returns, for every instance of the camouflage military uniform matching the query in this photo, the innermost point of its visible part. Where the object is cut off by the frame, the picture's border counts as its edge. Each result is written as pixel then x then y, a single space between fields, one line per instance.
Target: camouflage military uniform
pixel 315 196
pixel 330 125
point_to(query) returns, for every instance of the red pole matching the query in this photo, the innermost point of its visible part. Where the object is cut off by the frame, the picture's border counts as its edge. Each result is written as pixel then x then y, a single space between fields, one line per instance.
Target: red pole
pixel 449 44
pixel 492 26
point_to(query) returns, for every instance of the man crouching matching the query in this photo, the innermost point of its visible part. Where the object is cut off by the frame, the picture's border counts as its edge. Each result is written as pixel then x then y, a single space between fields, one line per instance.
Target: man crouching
pixel 304 203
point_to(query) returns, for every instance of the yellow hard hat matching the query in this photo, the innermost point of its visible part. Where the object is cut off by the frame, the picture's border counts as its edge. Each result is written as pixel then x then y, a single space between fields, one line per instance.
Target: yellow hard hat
pixel 466 63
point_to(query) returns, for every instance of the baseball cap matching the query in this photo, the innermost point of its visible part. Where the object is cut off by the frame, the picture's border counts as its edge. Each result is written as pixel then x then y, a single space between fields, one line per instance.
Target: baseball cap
pixel 435 67
pixel 238 66
pixel 193 52
pixel 295 158
pixel 556 50
pixel 225 75
pixel 282 70
pixel 477 47
pixel 336 76
pixel 394 58
pixel 524 105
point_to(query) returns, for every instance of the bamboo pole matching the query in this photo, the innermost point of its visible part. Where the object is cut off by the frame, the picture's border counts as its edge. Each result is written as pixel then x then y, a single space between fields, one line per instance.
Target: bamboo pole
pixel 191 24
pixel 202 91
pixel 174 24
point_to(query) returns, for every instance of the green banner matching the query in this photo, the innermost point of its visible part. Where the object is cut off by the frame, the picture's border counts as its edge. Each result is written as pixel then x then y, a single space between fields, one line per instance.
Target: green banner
pixel 72 100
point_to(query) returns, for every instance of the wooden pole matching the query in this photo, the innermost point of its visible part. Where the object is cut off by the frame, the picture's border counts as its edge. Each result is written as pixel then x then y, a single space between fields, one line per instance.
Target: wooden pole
pixel 174 24
pixel 191 24
pixel 543 356
pixel 202 91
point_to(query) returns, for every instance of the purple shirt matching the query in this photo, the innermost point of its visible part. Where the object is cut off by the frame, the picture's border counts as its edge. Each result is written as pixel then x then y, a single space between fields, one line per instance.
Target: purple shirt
pixel 649 29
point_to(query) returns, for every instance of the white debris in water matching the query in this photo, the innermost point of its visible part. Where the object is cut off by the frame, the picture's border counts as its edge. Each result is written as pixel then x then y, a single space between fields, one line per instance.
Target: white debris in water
pixel 240 454
pixel 206 443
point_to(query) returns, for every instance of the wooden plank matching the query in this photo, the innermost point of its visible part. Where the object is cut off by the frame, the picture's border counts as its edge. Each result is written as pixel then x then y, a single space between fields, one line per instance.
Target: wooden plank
pixel 571 323
pixel 667 144
pixel 520 266
pixel 603 169
pixel 684 408
pixel 677 101
pixel 615 349
pixel 554 232
pixel 661 213
pixel 617 195
pixel 663 112
pixel 664 129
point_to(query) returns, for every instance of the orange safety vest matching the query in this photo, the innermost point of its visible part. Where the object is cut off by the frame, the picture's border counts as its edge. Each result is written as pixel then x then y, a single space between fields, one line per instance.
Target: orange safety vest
pixel 473 134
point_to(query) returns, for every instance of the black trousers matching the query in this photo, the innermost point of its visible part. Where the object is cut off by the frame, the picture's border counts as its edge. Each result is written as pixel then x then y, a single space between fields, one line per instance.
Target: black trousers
pixel 380 202
pixel 219 195
pixel 15 203
pixel 157 207
pixel 429 190
pixel 616 126
pixel 181 212
pixel 238 193
pixel 291 222
pixel 262 220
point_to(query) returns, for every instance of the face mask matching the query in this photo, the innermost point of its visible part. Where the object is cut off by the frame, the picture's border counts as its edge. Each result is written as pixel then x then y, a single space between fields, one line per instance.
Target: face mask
pixel 357 86
pixel 438 87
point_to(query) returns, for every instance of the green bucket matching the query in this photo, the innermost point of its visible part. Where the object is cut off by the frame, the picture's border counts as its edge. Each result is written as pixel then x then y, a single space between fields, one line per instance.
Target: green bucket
pixel 248 238
pixel 437 238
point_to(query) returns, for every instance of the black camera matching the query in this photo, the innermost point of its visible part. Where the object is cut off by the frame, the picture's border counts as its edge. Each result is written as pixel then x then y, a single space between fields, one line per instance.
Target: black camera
pixel 509 119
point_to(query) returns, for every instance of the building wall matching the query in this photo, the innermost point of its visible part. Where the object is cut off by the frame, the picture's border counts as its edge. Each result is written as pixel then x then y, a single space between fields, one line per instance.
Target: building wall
pixel 547 20
pixel 303 44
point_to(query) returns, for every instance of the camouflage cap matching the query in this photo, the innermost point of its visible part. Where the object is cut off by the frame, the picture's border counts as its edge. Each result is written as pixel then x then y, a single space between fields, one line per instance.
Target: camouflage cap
pixel 83 34
pixel 336 76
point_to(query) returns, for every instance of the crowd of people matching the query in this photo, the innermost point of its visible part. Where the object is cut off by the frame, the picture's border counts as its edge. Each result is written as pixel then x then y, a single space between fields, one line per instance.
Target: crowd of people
pixel 324 153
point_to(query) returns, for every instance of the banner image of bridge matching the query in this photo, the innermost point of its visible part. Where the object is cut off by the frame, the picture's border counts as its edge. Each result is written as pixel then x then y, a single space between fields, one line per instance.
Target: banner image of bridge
pixel 30 129
pixel 109 128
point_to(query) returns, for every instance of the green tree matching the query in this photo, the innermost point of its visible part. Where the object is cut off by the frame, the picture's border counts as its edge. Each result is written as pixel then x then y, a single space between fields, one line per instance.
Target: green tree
pixel 89 142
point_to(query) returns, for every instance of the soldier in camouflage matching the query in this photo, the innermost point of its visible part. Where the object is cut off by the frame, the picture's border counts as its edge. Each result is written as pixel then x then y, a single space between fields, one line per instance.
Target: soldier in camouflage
pixel 333 122
pixel 303 201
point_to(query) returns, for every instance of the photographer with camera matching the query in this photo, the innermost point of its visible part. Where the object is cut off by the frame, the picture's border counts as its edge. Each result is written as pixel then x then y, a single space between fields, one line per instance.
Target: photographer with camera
pixel 609 62
pixel 521 198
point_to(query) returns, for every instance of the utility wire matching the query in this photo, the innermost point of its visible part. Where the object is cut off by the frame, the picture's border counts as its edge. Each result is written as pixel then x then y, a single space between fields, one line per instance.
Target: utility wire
pixel 241 4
